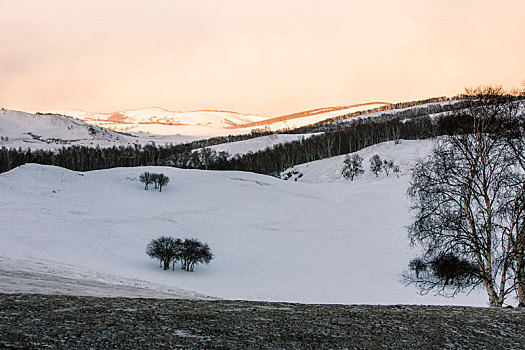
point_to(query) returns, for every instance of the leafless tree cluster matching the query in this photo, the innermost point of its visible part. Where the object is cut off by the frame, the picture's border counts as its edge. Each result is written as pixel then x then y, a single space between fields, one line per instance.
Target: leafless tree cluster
pixel 169 250
pixel 159 180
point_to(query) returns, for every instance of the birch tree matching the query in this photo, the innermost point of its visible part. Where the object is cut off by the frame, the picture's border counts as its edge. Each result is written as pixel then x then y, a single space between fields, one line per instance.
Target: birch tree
pixel 468 202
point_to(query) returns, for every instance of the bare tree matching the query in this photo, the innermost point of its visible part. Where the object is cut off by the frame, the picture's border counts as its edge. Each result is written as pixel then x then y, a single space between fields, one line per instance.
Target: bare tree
pixel 165 249
pixel 396 170
pixel 353 166
pixel 155 179
pixel 468 203
pixel 387 166
pixel 192 252
pixel 162 180
pixel 376 164
pixel 146 178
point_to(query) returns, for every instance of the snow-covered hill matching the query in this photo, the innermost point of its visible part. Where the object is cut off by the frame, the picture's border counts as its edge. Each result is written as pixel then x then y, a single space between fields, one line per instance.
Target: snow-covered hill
pixel 206 122
pixel 329 241
pixel 257 143
pixel 164 122
pixel 20 129
pixel 402 152
pixel 49 131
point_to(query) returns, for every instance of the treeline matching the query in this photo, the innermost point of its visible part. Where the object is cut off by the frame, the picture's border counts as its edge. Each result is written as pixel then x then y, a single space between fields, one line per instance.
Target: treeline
pixel 414 123
pixel 352 138
pixel 85 158
pixel 346 138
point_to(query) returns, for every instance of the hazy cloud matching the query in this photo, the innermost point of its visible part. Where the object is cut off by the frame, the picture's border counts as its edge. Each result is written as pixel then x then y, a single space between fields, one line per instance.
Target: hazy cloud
pixel 268 57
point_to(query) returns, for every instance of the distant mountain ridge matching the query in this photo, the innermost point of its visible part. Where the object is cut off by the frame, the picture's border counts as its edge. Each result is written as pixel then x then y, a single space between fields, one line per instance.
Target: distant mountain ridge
pixel 35 130
pixel 132 119
pixel 157 120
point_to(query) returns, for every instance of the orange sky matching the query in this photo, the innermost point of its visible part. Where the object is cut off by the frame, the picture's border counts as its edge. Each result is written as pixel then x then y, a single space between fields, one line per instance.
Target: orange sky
pixel 266 57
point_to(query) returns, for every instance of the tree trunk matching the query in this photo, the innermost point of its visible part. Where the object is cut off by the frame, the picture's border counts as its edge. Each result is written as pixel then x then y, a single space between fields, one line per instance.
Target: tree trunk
pixel 521 294
pixel 494 301
pixel 521 280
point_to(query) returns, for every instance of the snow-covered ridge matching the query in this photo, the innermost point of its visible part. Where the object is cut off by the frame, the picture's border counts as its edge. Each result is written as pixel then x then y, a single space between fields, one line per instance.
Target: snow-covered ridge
pixel 20 129
pixel 160 121
pixel 50 131
pixel 161 116
pixel 327 241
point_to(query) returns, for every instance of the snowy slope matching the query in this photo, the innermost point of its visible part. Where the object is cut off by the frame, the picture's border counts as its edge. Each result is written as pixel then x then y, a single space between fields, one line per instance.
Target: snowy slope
pixel 331 241
pixel 330 169
pixel 47 131
pixel 164 122
pixel 200 123
pixel 257 143
pixel 50 131
pixel 42 131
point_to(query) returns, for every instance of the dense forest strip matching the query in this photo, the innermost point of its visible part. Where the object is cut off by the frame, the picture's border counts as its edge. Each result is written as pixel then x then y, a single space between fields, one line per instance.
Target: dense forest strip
pixel 65 322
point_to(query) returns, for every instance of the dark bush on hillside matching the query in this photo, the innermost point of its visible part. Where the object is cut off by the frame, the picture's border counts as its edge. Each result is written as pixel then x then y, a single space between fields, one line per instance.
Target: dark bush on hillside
pixel 194 252
pixel 169 250
pixel 159 180
pixel 376 164
pixel 146 178
pixel 443 271
pixel 353 166
pixel 164 249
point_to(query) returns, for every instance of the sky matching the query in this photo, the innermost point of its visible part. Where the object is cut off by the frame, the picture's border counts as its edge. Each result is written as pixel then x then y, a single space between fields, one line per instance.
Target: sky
pixel 268 57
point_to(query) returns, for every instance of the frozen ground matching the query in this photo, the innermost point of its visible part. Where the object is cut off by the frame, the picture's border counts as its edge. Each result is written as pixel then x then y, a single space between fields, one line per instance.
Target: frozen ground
pixel 66 322
pixel 326 241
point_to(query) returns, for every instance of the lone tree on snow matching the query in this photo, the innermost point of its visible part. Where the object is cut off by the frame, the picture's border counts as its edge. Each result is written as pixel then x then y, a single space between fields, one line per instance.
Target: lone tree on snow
pixel 353 166
pixel 165 249
pixel 376 164
pixel 388 165
pixel 146 178
pixel 396 170
pixel 162 180
pixel 155 179
pixel 194 252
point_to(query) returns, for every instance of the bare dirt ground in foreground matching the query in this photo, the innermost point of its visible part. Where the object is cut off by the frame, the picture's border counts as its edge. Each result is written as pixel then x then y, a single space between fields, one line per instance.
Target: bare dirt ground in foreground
pixel 67 322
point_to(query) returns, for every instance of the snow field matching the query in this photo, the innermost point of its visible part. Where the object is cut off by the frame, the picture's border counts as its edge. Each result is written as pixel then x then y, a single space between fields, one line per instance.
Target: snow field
pixel 321 239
